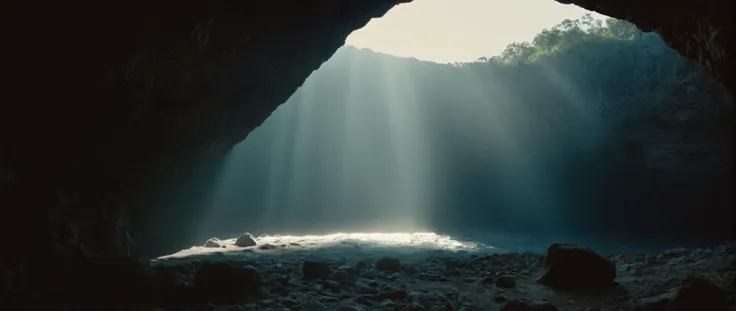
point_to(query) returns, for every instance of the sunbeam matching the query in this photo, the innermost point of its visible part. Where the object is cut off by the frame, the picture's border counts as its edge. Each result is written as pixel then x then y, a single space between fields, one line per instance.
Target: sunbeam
pixel 528 141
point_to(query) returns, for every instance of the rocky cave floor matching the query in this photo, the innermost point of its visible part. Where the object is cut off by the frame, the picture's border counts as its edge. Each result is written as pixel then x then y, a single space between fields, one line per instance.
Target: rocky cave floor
pixel 349 276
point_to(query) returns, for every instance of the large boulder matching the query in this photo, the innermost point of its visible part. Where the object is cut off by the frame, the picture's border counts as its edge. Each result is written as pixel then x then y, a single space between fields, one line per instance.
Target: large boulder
pixel 572 266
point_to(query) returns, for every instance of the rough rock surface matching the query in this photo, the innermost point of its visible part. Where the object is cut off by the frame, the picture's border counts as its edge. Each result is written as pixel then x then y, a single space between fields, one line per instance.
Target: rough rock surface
pixel 225 282
pixel 699 294
pixel 442 280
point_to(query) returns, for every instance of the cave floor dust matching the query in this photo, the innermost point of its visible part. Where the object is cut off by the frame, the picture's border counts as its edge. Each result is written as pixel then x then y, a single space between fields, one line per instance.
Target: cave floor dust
pixel 452 275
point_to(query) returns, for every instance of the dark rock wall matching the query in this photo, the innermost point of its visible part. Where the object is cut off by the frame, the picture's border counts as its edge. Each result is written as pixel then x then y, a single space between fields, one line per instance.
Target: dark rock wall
pixel 106 105
pixel 119 102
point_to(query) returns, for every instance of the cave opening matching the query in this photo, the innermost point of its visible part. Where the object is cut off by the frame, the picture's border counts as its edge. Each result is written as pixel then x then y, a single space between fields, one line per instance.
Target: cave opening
pixel 568 125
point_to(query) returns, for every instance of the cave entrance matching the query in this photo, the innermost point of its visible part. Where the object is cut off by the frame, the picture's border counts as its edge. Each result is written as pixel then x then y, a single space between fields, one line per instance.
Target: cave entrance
pixel 449 117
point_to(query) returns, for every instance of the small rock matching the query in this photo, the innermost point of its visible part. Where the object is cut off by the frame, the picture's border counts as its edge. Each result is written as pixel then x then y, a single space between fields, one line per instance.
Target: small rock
pixel 573 266
pixel 245 240
pixel 213 243
pixel 388 264
pixel 312 270
pixel 506 281
pixel 267 246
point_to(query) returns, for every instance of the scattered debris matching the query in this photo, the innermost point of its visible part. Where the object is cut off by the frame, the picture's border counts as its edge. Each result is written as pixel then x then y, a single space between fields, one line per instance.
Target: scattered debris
pixel 351 279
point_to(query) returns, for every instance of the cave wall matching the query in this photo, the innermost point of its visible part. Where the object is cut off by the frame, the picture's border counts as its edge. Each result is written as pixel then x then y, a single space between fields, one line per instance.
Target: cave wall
pixel 106 105
pixel 698 30
pixel 111 109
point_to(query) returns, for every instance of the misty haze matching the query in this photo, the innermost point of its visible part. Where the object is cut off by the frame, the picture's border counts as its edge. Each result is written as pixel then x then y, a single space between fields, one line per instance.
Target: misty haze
pixel 588 130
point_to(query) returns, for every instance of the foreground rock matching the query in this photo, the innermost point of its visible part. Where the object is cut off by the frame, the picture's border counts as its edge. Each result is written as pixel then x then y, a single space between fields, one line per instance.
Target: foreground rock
pixel 224 282
pixel 699 294
pixel 313 270
pixel 573 266
pixel 351 279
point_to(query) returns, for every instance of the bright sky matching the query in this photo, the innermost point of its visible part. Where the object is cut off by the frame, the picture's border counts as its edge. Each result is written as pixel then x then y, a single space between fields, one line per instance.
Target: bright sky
pixel 460 30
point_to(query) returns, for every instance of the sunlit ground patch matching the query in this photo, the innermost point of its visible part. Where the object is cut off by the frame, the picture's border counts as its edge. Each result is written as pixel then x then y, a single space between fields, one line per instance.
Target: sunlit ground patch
pixel 398 243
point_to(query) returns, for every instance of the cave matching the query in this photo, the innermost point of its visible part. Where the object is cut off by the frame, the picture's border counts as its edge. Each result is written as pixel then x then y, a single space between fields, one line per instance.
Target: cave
pixel 112 108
